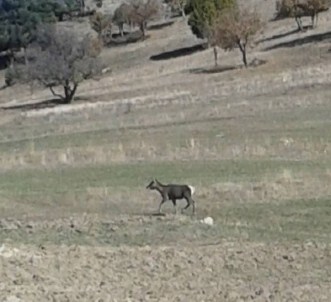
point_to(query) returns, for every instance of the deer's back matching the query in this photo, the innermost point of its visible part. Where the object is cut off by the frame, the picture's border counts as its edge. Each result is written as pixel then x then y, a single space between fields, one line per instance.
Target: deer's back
pixel 178 191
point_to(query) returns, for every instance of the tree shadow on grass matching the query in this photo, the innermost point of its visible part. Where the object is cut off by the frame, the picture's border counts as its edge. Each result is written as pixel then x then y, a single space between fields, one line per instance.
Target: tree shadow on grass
pixel 302 41
pixel 150 214
pixel 33 106
pixel 127 38
pixel 160 25
pixel 209 70
pixel 279 36
pixel 223 68
pixel 180 52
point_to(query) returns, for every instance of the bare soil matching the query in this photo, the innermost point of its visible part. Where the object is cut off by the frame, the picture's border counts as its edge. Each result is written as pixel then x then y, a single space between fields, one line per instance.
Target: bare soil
pixel 226 270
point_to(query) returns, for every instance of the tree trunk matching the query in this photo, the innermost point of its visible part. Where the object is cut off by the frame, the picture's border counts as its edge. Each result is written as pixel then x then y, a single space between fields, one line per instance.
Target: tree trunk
pixel 11 58
pixel 26 61
pixel 82 6
pixel 299 22
pixel 182 9
pixel 242 47
pixel 143 28
pixel 121 29
pixel 215 56
pixel 68 92
pixel 314 20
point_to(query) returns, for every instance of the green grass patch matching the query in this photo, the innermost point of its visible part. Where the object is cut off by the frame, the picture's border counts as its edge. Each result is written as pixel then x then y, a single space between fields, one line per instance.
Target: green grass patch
pixel 296 220
pixel 131 176
pixel 291 221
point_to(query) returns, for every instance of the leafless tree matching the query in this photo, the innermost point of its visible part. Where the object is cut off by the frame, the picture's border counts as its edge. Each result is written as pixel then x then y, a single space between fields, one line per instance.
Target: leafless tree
pixel 301 8
pixel 101 24
pixel 59 58
pixel 122 16
pixel 143 11
pixel 234 28
pixel 178 5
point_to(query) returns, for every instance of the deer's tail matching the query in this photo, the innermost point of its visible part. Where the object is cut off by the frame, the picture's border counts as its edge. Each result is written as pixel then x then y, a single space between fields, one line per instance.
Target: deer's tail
pixel 192 189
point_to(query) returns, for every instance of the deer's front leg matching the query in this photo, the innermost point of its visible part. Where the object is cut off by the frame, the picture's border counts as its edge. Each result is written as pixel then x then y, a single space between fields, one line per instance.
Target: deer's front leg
pixel 164 199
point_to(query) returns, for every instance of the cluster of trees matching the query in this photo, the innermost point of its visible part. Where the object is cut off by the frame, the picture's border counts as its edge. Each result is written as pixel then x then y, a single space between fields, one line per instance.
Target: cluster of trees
pixel 224 24
pixel 301 8
pixel 137 13
pixel 221 22
pixel 51 57
pixel 19 19
pixel 56 58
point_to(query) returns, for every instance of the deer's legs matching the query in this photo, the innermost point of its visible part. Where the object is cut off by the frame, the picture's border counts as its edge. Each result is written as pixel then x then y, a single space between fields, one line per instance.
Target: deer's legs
pixel 193 206
pixel 175 205
pixel 190 201
pixel 161 203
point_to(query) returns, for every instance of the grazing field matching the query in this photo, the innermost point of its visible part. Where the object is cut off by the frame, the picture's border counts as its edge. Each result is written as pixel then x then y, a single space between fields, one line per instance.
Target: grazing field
pixel 76 221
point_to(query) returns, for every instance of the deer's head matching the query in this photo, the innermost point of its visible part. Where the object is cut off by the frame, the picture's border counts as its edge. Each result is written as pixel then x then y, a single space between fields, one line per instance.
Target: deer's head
pixel 153 185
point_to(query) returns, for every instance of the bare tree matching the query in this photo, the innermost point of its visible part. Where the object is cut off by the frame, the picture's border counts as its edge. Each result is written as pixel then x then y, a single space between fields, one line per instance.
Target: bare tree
pixel 101 24
pixel 143 11
pixel 59 58
pixel 234 28
pixel 178 5
pixel 301 8
pixel 122 16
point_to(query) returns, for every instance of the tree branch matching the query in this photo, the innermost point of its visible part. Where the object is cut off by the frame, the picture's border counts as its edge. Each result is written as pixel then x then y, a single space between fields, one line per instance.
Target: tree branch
pixel 56 94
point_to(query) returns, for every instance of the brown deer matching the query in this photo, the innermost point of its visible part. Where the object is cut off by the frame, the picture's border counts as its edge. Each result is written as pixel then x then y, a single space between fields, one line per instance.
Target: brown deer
pixel 173 192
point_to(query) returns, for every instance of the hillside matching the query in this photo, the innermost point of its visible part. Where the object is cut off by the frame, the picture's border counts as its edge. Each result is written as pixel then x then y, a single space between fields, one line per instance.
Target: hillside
pixel 76 219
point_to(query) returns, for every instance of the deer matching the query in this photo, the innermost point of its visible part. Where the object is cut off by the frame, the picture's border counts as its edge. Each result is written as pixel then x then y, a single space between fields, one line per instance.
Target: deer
pixel 173 192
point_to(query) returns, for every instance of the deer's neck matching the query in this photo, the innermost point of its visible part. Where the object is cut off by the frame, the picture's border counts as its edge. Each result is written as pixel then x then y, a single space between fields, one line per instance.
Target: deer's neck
pixel 160 189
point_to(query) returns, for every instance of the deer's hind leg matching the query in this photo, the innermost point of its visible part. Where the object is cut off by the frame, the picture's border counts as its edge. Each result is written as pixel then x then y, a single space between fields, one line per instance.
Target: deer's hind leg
pixel 189 201
pixel 175 205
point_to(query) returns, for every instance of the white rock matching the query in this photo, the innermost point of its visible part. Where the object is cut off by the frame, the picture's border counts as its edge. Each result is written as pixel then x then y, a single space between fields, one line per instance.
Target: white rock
pixel 208 220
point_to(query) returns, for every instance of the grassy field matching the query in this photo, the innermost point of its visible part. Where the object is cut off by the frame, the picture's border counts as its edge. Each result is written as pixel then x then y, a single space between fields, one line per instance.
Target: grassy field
pixel 76 221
